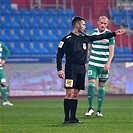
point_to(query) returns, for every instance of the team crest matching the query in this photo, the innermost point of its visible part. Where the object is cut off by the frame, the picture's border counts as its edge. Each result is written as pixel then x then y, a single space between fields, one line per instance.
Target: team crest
pixel 84 46
pixel 69 83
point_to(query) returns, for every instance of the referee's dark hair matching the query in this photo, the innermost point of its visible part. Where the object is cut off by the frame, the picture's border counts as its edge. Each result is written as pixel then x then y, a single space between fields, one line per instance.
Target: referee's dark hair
pixel 76 19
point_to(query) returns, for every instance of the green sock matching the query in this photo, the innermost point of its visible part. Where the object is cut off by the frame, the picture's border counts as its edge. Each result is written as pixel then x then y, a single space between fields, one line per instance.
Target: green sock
pixel 101 94
pixel 3 93
pixel 91 88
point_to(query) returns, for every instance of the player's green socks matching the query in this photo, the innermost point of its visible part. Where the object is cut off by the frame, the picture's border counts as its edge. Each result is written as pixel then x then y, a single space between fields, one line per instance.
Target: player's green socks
pixel 101 94
pixel 4 93
pixel 91 88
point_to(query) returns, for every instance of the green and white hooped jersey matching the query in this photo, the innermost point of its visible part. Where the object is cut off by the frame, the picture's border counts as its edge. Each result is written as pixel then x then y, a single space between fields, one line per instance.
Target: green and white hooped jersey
pixel 1 54
pixel 6 50
pixel 100 49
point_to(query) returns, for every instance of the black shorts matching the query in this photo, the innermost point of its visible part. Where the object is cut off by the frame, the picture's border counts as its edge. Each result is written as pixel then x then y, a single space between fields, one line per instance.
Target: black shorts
pixel 75 76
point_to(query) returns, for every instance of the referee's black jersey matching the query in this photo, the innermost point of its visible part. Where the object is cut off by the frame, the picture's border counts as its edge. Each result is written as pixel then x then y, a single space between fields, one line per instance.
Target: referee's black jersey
pixel 76 48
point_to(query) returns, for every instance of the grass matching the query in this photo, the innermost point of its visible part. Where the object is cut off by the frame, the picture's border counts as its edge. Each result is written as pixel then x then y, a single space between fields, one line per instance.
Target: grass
pixel 46 116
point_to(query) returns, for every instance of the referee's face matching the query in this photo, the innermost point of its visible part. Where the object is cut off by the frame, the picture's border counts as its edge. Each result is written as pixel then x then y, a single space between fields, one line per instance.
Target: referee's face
pixel 82 25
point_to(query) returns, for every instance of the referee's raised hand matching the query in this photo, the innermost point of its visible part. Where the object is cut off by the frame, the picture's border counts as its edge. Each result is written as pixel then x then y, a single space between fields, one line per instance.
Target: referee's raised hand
pixel 120 32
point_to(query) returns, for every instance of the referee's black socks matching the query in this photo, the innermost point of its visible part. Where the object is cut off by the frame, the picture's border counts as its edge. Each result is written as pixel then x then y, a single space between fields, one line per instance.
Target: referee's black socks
pixel 67 107
pixel 74 103
pixel 70 105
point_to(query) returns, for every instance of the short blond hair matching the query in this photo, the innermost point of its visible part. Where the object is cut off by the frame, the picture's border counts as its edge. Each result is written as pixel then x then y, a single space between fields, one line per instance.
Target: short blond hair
pixel 103 17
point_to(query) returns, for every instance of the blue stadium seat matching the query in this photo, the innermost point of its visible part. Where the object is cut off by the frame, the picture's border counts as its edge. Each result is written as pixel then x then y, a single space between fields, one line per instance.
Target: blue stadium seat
pixel 42 12
pixel 62 24
pixel 131 23
pixel 23 22
pixel 39 45
pixel 62 18
pixel 52 49
pixel 51 11
pixel 117 50
pixel 33 34
pixel 118 20
pixel 41 36
pixel 13 36
pixel 32 11
pixel 89 26
pixel 14 47
pixel 5 4
pixel 23 11
pixel 13 11
pixel 3 23
pixel 131 12
pixel 123 12
pixel 44 18
pixel 32 48
pixel 17 17
pixel 13 23
pixel 3 35
pixel 23 49
pixel 53 18
pixel 69 13
pixel 51 35
pixel 51 24
pixel 23 33
pixel 32 22
pixel 6 17
pixel 126 50
pixel 60 11
pixel 4 11
pixel 41 23
pixel 113 12
pixel 125 20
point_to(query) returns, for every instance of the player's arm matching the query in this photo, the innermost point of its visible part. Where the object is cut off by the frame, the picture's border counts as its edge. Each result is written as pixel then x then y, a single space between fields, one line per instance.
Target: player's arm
pixel 106 36
pixel 7 53
pixel 111 55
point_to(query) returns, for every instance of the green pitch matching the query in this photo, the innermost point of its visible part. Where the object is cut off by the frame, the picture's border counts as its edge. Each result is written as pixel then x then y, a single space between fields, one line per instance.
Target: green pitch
pixel 46 116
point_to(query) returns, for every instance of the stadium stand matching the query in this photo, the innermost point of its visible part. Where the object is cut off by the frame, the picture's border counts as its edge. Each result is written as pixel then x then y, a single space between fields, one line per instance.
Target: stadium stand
pixel 33 27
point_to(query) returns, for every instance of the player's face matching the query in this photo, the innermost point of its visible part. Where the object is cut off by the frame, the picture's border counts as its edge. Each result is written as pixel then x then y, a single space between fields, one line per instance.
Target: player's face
pixel 102 24
pixel 82 26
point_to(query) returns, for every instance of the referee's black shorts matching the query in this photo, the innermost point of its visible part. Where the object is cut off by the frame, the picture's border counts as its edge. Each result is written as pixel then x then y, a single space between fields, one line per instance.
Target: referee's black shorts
pixel 75 76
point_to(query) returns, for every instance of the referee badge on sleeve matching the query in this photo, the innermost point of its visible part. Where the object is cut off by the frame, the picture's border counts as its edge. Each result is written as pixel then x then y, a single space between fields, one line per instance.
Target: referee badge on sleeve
pixel 60 44
pixel 69 83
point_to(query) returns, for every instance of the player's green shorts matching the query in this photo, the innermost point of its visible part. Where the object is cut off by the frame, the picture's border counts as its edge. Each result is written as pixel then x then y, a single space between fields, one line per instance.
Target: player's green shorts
pixel 95 72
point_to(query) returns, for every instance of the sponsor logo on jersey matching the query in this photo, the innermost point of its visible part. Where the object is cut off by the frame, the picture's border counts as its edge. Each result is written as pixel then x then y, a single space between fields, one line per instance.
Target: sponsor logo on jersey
pixel 84 46
pixel 104 41
pixel 69 83
pixel 60 44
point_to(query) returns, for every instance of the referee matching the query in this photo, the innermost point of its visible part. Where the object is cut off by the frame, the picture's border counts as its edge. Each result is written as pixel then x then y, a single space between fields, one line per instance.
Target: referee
pixel 75 47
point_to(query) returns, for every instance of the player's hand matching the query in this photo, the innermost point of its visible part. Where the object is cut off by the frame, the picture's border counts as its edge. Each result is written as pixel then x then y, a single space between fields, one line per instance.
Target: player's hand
pixel 120 32
pixel 61 74
pixel 2 62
